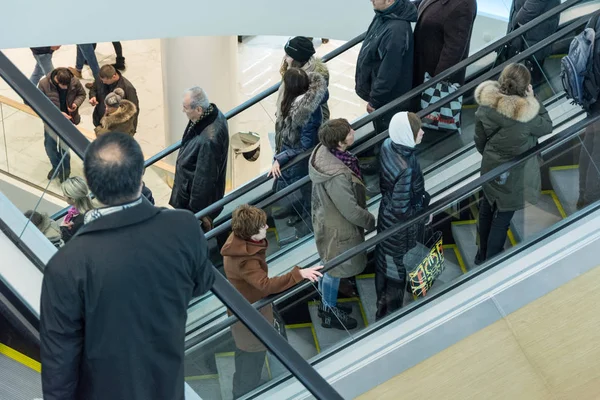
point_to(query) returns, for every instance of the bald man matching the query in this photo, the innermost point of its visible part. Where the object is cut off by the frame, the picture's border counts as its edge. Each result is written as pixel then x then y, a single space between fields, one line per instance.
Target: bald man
pixel 114 299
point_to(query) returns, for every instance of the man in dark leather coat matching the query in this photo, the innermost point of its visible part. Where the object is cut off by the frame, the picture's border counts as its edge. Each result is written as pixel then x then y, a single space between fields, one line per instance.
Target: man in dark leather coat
pixel 202 161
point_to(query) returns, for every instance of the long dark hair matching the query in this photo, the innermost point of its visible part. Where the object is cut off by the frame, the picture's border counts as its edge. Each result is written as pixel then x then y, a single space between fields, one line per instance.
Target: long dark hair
pixel 296 83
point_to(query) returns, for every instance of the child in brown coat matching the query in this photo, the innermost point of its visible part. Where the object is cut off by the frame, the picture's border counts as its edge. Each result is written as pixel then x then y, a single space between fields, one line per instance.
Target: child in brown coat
pixel 244 259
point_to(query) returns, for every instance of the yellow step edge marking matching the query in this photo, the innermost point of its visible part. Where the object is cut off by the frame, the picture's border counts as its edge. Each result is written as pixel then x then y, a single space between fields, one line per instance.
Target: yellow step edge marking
pixel 469 106
pixel 554 56
pixel 201 377
pixel 314 333
pixel 227 354
pixel 299 326
pixel 274 230
pixel 461 262
pixel 268 367
pixel 362 313
pixel 558 204
pixel 20 358
pixel 511 238
pixel 365 276
pixel 564 167
pixel 467 222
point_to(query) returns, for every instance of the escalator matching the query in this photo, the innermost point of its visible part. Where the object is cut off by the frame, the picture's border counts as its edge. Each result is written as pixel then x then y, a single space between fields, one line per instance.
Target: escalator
pixel 451 167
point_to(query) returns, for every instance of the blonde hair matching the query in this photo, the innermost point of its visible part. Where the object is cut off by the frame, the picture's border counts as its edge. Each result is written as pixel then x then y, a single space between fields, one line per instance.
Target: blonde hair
pixel 78 192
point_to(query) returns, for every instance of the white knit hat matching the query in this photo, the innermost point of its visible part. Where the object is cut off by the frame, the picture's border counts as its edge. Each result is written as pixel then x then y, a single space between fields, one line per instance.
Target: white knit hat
pixel 400 130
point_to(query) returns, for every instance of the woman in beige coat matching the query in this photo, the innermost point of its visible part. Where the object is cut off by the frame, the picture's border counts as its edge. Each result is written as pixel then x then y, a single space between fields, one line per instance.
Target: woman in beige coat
pixel 339 215
pixel 120 114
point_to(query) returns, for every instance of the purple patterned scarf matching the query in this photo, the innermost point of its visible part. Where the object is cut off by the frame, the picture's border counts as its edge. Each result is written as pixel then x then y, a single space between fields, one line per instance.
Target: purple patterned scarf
pixel 349 160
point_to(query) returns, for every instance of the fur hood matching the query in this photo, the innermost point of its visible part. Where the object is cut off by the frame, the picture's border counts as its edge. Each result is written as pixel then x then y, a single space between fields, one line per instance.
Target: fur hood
pixel 302 109
pixel 124 113
pixel 517 108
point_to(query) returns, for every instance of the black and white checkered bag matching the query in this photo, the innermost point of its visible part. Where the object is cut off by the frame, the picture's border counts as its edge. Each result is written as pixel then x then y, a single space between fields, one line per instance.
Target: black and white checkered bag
pixel 448 117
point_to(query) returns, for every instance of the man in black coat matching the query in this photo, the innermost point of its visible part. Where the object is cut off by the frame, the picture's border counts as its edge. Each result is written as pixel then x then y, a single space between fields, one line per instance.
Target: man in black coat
pixel 202 161
pixel 109 80
pixel 385 62
pixel 114 299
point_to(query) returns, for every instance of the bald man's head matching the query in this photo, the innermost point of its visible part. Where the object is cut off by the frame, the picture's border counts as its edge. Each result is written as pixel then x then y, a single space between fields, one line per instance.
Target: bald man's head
pixel 113 166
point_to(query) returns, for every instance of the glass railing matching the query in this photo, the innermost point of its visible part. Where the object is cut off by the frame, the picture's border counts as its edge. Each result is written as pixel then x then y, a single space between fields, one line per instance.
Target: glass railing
pixel 452 239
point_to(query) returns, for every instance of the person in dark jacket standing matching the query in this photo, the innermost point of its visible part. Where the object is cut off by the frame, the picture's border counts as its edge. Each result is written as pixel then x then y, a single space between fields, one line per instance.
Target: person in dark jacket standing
pixel 111 79
pixel 402 196
pixel 443 37
pixel 508 122
pixel 245 264
pixel 339 215
pixel 296 131
pixel 384 67
pixel 114 299
pixel 525 11
pixel 202 161
pixel 43 62
pixel 65 92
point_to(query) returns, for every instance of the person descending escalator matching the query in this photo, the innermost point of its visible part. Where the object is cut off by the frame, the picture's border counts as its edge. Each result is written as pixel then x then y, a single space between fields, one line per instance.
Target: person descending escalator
pixel 78 196
pixel 339 215
pixel 403 195
pixel 509 121
pixel 296 131
pixel 245 263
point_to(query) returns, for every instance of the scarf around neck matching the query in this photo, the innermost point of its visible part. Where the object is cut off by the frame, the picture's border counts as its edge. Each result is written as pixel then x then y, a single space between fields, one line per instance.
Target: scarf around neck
pixel 349 159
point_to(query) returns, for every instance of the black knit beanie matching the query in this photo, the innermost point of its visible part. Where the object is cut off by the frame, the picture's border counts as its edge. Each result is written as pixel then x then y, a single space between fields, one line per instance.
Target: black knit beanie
pixel 300 49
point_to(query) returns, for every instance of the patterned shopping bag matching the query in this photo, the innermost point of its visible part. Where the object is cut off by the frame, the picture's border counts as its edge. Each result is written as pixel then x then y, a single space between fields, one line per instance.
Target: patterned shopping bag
pixel 448 116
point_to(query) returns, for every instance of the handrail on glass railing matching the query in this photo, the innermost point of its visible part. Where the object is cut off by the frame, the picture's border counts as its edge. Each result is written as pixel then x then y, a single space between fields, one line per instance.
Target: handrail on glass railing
pixel 434 208
pixel 402 99
pixel 382 136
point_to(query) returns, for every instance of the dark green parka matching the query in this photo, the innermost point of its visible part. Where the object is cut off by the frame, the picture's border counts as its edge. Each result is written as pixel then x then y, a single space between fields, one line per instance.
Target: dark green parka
pixel 507 126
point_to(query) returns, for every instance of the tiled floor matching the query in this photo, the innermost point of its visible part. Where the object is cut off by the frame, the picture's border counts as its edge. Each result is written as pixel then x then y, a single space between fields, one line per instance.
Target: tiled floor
pixel 259 57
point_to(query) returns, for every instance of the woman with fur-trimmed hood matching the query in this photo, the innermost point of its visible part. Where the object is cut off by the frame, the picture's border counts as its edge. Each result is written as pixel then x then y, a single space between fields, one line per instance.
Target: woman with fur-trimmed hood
pixel 297 131
pixel 120 114
pixel 509 121
pixel 300 53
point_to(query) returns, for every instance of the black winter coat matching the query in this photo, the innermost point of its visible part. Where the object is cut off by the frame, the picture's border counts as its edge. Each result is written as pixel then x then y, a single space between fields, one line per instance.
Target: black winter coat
pixel 100 91
pixel 525 11
pixel 385 60
pixel 443 37
pixel 402 195
pixel 202 164
pixel 114 306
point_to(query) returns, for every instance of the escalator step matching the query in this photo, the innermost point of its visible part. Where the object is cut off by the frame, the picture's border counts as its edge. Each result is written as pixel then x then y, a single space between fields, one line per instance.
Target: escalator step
pixel 565 183
pixel 535 218
pixel 465 237
pixel 206 386
pixel 330 337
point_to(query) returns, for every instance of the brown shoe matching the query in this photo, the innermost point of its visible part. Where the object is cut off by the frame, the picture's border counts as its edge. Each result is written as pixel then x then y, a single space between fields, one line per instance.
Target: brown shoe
pixel 89 85
pixel 75 72
pixel 324 41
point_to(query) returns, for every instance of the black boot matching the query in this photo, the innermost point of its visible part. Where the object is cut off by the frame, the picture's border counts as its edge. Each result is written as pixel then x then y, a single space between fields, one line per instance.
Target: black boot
pixel 347 308
pixel 333 317
pixel 51 174
pixel 120 64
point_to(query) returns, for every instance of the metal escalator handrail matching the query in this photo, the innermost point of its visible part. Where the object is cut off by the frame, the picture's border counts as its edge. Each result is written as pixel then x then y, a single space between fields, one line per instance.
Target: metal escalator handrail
pixel 228 115
pixel 402 99
pixel 382 136
pixel 434 208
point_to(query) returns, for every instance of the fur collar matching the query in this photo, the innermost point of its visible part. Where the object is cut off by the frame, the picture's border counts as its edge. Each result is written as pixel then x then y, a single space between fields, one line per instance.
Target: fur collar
pixel 124 113
pixel 302 109
pixel 522 109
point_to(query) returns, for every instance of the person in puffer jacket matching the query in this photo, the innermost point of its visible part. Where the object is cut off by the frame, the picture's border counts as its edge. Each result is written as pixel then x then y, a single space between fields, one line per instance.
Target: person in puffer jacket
pixel 402 196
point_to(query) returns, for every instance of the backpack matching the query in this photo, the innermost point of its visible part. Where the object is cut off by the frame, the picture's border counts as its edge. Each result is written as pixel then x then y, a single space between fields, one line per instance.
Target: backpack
pixel 580 69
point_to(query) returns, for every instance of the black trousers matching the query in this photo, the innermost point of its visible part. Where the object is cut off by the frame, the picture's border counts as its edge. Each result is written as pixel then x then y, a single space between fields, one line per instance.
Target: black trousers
pixel 248 370
pixel 589 166
pixel 390 295
pixel 118 49
pixel 493 228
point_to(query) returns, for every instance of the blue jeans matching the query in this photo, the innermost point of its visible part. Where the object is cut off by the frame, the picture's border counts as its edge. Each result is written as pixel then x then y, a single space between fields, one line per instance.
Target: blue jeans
pixel 85 52
pixel 55 153
pixel 43 66
pixel 328 285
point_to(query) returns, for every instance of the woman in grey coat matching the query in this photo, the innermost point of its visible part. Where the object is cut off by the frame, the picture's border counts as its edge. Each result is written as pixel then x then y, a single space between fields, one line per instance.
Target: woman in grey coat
pixel 339 215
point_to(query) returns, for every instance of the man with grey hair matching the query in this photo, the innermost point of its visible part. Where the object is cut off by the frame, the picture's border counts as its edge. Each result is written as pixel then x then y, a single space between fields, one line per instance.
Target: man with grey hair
pixel 202 161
